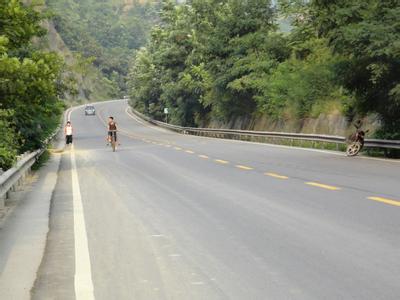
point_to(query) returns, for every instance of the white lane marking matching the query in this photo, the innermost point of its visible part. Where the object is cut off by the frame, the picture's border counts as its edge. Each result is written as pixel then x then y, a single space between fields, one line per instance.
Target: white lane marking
pixel 157 235
pixel 174 255
pixel 134 117
pixel 137 119
pixel 337 153
pixel 83 274
pixel 197 282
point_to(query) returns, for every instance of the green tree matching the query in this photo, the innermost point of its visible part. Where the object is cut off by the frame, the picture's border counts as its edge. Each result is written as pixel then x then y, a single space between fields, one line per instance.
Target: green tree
pixel 8 140
pixel 106 31
pixel 30 83
pixel 224 59
pixel 300 87
pixel 368 34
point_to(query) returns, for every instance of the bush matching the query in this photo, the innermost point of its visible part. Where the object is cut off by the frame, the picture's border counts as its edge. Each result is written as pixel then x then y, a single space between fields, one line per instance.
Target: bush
pixel 8 141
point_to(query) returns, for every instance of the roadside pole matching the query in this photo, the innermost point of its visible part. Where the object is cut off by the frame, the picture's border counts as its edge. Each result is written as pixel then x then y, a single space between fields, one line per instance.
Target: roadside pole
pixel 166 112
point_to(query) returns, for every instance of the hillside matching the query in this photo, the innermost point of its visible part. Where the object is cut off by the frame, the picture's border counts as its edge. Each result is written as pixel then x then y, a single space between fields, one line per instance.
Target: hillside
pixel 32 82
pixel 240 64
pixel 104 34
pixel 86 84
pixel 55 50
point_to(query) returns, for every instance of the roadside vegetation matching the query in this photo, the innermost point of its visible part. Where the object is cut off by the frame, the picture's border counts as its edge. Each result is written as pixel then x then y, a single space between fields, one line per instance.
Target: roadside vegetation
pixel 92 42
pixel 106 35
pixel 223 59
pixel 30 83
pixel 205 60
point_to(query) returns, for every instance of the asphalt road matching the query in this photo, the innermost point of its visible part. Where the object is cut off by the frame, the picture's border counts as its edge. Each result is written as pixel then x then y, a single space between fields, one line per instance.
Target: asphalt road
pixel 170 216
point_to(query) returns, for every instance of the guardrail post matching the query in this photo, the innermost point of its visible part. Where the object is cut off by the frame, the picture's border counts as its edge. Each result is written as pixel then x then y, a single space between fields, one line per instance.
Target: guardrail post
pixel 2 201
pixel 300 139
pixel 21 181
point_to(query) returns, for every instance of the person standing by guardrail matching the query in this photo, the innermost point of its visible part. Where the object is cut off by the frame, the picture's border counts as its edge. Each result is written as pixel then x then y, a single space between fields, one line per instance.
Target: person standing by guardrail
pixel 68 131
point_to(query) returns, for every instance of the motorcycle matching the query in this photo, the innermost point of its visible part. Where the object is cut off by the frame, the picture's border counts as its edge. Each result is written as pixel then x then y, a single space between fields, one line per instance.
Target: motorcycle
pixel 355 142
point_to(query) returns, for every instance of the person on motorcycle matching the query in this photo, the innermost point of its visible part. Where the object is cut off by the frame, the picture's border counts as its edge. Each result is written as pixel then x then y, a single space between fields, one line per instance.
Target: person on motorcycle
pixel 355 141
pixel 112 130
pixel 359 135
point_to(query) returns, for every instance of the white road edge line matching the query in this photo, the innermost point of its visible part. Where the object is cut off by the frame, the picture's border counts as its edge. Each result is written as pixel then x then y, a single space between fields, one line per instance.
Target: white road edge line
pixel 83 275
pixel 337 153
pixel 144 123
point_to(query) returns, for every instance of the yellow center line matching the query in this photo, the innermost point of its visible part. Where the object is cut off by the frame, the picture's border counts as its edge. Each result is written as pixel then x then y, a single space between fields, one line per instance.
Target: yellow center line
pixel 323 186
pixel 385 200
pixel 203 156
pixel 220 161
pixel 243 167
pixel 276 175
pixel 189 151
pixel 177 148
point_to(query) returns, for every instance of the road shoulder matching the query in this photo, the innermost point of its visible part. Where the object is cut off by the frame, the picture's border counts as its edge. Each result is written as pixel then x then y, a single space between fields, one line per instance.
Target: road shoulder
pixel 23 234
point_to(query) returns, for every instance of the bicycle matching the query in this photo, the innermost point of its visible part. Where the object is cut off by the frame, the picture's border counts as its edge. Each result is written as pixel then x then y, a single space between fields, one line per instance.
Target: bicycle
pixel 112 138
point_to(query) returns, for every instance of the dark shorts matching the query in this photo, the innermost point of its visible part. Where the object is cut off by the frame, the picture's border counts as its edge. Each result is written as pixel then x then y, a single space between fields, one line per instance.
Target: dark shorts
pixel 111 133
pixel 68 139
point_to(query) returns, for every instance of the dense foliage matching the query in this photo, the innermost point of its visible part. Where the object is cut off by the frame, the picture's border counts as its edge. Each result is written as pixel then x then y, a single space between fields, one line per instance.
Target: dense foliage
pixel 30 83
pixel 222 59
pixel 106 31
pixel 367 33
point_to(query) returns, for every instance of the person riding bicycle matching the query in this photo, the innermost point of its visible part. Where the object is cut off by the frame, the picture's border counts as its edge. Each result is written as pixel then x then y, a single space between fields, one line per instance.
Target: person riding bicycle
pixel 112 129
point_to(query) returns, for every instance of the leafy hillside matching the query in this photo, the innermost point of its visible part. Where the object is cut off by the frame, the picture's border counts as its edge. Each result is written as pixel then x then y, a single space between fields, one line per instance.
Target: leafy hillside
pixel 62 49
pixel 31 82
pixel 107 32
pixel 227 59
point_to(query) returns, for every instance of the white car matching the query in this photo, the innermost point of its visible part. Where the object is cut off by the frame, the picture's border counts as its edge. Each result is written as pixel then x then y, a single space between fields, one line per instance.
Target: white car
pixel 90 110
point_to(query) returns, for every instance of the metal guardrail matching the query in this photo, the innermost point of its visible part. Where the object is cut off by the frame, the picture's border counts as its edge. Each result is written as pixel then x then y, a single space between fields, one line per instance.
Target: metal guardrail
pixel 14 177
pixel 239 134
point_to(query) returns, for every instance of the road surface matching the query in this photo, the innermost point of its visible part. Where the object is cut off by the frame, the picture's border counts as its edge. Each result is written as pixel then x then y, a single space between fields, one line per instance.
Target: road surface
pixel 170 216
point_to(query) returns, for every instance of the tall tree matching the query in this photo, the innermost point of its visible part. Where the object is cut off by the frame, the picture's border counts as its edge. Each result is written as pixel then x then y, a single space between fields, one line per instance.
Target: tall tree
pixel 30 82
pixel 368 34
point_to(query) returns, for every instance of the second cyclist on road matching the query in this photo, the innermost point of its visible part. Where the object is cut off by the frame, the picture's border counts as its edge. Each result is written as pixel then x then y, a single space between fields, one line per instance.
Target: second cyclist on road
pixel 112 130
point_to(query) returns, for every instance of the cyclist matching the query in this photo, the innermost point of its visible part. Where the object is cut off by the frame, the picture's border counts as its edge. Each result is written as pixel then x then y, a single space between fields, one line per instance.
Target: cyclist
pixel 68 130
pixel 112 129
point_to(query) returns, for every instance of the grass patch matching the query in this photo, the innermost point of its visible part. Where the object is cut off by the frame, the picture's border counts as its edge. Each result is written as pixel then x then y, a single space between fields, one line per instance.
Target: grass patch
pixel 381 152
pixel 41 160
pixel 373 152
pixel 281 141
